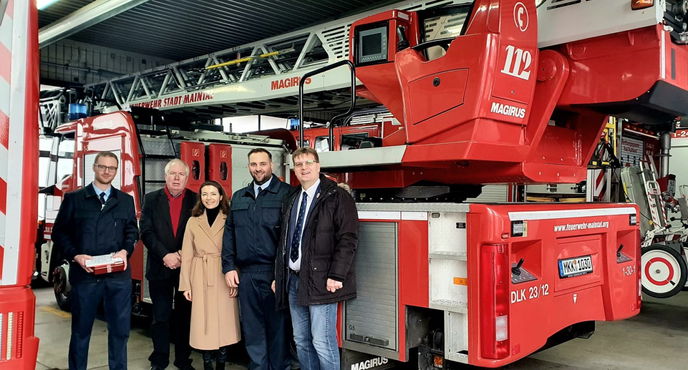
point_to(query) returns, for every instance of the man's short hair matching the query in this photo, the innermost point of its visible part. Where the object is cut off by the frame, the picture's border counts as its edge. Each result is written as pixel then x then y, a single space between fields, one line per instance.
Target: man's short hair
pixel 303 151
pixel 105 154
pixel 176 161
pixel 260 150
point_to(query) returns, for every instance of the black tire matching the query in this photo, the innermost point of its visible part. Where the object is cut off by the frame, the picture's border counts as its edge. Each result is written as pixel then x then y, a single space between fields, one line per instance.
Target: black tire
pixel 62 289
pixel 663 270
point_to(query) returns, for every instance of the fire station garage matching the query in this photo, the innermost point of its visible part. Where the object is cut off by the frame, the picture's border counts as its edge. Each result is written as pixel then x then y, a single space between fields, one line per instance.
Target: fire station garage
pixel 508 176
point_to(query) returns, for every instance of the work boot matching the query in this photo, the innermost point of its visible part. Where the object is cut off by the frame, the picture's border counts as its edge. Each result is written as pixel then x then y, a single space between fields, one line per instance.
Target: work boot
pixel 208 359
pixel 221 358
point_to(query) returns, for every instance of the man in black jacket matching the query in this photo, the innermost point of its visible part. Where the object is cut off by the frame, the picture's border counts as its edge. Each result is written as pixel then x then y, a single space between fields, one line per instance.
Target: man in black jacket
pixel 96 220
pixel 249 247
pixel 315 269
pixel 163 222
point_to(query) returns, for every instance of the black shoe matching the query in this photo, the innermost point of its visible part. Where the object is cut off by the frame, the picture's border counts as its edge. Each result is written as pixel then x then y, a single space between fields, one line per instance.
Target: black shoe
pixel 157 368
pixel 186 365
pixel 209 358
pixel 221 358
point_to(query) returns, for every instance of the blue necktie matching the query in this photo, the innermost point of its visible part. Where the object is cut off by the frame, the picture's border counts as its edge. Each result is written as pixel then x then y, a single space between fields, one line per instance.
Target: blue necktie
pixel 296 238
pixel 102 198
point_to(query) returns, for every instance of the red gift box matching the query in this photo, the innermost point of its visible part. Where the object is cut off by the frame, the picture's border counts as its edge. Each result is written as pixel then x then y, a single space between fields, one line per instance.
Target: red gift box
pixel 108 268
pixel 105 264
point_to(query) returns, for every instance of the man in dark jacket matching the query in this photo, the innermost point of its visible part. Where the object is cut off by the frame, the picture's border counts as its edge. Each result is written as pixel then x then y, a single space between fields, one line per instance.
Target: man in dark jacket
pixel 163 222
pixel 98 220
pixel 315 269
pixel 249 247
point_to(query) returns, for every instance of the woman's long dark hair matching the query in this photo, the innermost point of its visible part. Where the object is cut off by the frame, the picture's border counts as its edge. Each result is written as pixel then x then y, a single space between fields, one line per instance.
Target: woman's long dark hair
pixel 199 208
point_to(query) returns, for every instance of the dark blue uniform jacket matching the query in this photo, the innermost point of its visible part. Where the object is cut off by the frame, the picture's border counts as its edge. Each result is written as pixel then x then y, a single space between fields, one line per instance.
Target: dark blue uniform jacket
pixel 253 227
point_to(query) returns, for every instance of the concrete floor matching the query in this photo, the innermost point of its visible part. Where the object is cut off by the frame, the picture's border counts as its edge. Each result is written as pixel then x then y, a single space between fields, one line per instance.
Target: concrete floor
pixel 656 339
pixel 53 329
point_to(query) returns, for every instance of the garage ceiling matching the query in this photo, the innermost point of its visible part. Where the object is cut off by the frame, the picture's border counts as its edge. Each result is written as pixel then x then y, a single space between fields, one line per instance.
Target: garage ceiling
pixel 181 29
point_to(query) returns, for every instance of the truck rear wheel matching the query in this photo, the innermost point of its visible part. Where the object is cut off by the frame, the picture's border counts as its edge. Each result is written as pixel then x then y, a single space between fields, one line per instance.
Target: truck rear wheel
pixel 663 271
pixel 62 288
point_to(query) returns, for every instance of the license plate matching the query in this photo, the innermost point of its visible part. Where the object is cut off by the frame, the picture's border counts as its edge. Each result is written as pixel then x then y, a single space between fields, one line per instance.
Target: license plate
pixel 571 267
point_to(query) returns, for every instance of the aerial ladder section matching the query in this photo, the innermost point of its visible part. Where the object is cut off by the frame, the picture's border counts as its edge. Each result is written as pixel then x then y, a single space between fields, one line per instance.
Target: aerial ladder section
pixel 255 78
pixel 262 77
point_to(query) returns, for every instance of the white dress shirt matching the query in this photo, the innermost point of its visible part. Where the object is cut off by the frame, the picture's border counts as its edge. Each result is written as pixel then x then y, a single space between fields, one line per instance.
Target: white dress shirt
pixel 263 186
pixel 296 265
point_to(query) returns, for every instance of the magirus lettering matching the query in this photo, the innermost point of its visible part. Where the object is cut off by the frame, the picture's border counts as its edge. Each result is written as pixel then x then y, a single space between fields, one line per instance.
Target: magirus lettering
pixel 369 364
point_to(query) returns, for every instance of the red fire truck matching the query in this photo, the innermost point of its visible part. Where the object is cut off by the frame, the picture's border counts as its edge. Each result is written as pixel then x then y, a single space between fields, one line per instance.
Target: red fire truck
pixel 145 140
pixel 488 284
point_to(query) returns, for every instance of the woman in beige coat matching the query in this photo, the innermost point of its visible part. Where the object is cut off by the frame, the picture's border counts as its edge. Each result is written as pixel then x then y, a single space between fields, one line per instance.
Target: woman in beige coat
pixel 214 307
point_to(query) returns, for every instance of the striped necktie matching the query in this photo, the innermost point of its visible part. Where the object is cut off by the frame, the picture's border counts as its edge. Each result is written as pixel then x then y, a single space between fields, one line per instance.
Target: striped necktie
pixel 296 238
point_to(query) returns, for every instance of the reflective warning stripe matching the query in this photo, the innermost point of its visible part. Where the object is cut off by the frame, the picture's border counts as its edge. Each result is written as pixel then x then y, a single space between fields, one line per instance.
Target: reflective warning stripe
pixel 14 34
pixel 5 54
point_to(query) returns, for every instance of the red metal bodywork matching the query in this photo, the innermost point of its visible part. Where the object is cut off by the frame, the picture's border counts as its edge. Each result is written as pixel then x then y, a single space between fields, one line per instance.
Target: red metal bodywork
pixel 193 153
pixel 496 109
pixel 220 165
pixel 596 76
pixel 610 292
pixel 413 291
pixel 534 310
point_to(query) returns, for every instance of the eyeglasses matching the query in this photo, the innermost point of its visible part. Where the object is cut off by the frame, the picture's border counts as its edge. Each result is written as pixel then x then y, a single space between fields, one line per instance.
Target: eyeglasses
pixel 308 163
pixel 100 167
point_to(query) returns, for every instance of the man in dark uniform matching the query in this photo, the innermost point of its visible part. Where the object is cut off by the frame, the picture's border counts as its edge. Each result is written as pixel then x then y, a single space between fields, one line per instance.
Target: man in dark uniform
pixel 248 255
pixel 97 220
pixel 163 221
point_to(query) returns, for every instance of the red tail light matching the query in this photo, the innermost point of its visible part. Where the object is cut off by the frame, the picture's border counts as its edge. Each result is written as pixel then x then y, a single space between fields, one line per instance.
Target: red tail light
pixel 494 301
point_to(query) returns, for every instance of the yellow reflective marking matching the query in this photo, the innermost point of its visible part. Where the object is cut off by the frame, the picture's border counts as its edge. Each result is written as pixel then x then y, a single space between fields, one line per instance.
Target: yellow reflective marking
pixel 55 311
pixel 460 281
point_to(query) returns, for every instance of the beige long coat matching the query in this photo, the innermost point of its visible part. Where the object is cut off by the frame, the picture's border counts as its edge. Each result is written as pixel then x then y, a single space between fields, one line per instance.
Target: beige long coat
pixel 214 315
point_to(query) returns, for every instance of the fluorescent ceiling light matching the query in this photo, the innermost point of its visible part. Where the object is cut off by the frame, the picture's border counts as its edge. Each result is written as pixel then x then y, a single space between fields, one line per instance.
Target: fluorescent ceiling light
pixel 42 4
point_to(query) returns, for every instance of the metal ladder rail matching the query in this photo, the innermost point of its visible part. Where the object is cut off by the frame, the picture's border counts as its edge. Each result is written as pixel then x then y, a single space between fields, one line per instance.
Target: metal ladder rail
pixel 287 54
pixel 661 203
pixel 654 197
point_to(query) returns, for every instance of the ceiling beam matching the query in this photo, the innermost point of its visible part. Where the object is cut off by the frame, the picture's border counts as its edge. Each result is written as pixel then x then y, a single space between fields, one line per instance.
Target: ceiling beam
pixel 83 18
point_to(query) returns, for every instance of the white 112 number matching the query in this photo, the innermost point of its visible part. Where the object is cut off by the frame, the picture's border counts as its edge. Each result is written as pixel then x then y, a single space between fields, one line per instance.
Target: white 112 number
pixel 517 62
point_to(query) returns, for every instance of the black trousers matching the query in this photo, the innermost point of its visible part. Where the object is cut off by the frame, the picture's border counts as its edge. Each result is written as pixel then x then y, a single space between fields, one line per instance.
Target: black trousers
pixel 171 322
pixel 86 297
pixel 264 329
